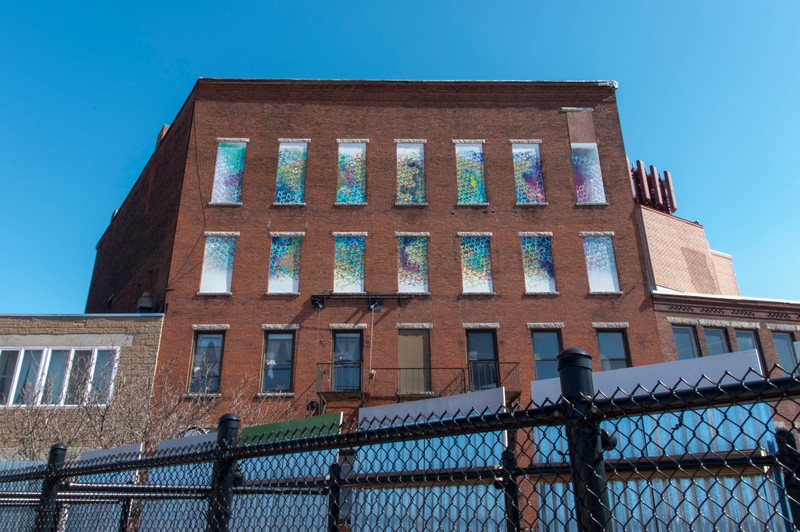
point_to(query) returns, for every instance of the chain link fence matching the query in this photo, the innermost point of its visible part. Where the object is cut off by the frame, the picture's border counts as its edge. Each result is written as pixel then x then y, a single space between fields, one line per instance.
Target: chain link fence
pixel 690 456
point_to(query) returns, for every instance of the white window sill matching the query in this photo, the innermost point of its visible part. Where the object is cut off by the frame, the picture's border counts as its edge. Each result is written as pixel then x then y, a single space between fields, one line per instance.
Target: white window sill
pixel 604 204
pixel 413 293
pixel 232 204
pixel 287 204
pixel 478 293
pixel 335 293
pixel 202 395
pixel 281 293
pixel 472 204
pixel 608 293
pixel 337 204
pixel 545 204
pixel 554 293
pixel 411 204
pixel 223 294
pixel 265 395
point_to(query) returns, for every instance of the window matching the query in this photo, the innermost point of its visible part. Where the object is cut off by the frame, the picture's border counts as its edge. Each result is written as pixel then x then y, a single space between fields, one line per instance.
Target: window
pixel 528 173
pixel 228 172
pixel 601 266
pixel 218 263
pixel 62 376
pixel 207 362
pixel 546 347
pixel 747 340
pixel 290 187
pixel 476 263
pixel 284 263
pixel 346 361
pixel 470 180
pixel 787 358
pixel 412 263
pixel 586 170
pixel 352 175
pixel 482 359
pixel 537 263
pixel 348 263
pixel 414 361
pixel 278 356
pixel 685 342
pixel 613 349
pixel 410 173
pixel 717 341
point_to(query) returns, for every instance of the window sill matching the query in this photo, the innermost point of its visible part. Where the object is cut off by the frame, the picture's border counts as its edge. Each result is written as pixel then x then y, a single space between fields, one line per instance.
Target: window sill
pixel 232 204
pixel 201 396
pixel 281 293
pixel 472 204
pixel 604 204
pixel 335 293
pixel 542 293
pixel 337 204
pixel 478 294
pixel 411 204
pixel 303 204
pixel 266 395
pixel 420 294
pixel 609 293
pixel 545 204
pixel 215 294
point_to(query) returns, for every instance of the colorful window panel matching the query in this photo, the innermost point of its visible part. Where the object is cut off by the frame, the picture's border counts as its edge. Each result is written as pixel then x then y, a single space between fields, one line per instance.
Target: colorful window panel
pixel 600 264
pixel 412 264
pixel 348 264
pixel 586 169
pixel 352 176
pixel 537 264
pixel 228 173
pixel 476 264
pixel 469 173
pixel 291 183
pixel 528 174
pixel 284 265
pixel 218 264
pixel 410 173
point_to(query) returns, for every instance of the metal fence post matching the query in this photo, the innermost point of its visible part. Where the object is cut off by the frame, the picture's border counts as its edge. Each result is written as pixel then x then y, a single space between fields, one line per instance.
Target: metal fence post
pixel 222 479
pixel 789 459
pixel 589 481
pixel 334 490
pixel 47 512
pixel 511 490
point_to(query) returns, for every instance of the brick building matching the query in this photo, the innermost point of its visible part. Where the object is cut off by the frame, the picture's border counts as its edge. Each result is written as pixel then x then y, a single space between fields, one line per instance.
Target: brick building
pixel 343 243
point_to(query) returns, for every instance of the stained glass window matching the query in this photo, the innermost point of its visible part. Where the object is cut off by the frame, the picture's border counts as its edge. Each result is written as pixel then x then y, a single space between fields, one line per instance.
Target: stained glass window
pixel 586 169
pixel 291 182
pixel 600 264
pixel 528 174
pixel 469 173
pixel 537 264
pixel 348 264
pixel 218 264
pixel 284 265
pixel 412 264
pixel 228 173
pixel 476 264
pixel 352 175
pixel 410 173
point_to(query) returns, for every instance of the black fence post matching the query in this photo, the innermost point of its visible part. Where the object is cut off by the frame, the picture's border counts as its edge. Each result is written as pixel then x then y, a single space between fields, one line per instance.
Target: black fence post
pixel 589 482
pixel 222 479
pixel 334 490
pixel 511 490
pixel 47 512
pixel 789 459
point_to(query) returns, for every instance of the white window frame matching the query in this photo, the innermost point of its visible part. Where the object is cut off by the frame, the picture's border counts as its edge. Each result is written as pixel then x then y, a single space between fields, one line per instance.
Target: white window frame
pixel 44 368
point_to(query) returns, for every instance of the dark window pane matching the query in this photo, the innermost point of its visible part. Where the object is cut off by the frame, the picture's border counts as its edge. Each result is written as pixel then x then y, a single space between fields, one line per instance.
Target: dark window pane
pixel 480 345
pixel 207 363
pixel 482 358
pixel 546 347
pixel 278 362
pixel 613 350
pixel 746 340
pixel 8 363
pixel 346 361
pixel 717 342
pixel 546 369
pixel 787 358
pixel 685 342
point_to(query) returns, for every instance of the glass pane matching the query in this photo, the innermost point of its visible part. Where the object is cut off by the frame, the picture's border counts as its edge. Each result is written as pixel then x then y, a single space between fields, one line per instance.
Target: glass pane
pixel 469 173
pixel 412 264
pixel 476 264
pixel 528 173
pixel 348 264
pixel 346 361
pixel 56 377
pixel 480 345
pixel 228 173
pixel 612 349
pixel 284 265
pixel 25 391
pixel 102 377
pixel 545 345
pixel 717 342
pixel 546 369
pixel 588 178
pixel 600 264
pixel 786 355
pixel 78 376
pixel 218 264
pixel 410 174
pixel 685 343
pixel 537 264
pixel 613 363
pixel 746 340
pixel 278 362
pixel 8 363
pixel 290 187
pixel 207 363
pixel 482 359
pixel 352 176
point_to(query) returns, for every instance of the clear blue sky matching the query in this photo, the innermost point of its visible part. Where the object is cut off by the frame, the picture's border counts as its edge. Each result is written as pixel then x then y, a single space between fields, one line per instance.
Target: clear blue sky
pixel 708 90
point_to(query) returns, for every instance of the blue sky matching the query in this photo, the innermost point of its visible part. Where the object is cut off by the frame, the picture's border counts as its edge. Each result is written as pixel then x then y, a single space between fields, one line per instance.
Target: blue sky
pixel 708 90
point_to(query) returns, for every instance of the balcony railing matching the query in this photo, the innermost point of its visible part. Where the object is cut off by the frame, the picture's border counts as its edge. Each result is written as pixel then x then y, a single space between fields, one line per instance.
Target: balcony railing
pixel 408 383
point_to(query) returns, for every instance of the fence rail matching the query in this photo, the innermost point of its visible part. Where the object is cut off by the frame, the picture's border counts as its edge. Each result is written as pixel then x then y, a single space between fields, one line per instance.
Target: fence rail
pixel 689 456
